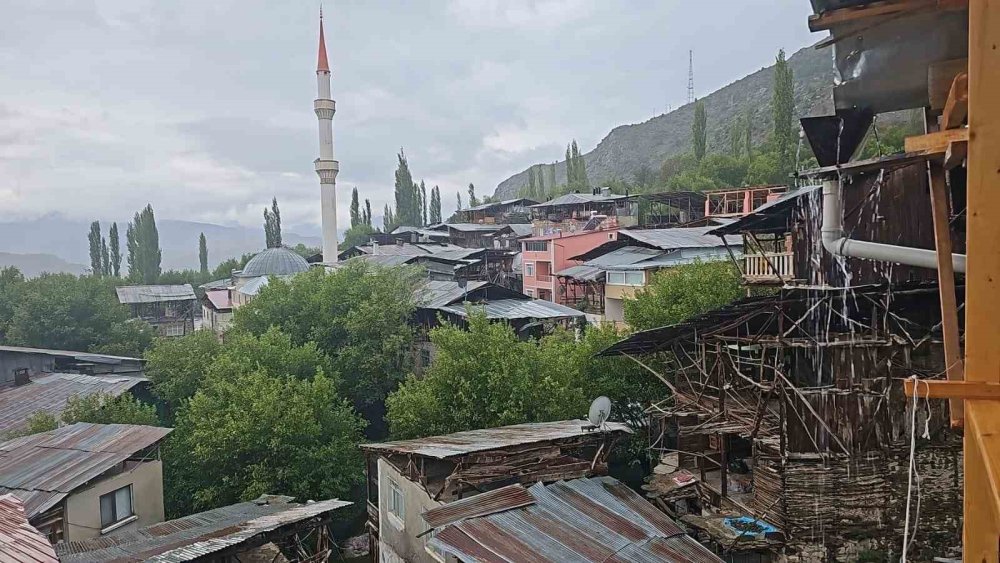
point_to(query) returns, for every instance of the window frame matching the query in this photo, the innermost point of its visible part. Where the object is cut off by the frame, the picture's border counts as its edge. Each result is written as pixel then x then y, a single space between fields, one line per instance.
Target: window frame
pixel 117 520
pixel 396 504
pixel 529 269
pixel 536 246
pixel 615 274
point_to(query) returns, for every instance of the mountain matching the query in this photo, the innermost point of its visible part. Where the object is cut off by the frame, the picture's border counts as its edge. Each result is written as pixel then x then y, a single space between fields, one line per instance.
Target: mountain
pixel 65 240
pixel 628 147
pixel 32 265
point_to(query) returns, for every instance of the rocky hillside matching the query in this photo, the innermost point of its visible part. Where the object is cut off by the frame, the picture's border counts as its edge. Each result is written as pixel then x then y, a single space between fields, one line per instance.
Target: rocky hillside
pixel 626 148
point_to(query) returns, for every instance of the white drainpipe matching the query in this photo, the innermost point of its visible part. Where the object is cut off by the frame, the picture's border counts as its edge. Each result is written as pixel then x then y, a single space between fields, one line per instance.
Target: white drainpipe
pixel 836 242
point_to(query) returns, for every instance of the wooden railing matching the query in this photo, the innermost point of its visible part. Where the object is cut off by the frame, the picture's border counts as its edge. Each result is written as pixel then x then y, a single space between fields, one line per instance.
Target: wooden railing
pixel 769 267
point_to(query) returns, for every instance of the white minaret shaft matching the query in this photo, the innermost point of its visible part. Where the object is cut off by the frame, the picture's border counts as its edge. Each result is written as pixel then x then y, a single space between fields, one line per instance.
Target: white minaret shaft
pixel 326 166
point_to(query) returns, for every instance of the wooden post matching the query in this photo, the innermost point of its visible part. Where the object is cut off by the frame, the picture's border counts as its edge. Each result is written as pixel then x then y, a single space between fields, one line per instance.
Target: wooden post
pixel 982 311
pixel 946 285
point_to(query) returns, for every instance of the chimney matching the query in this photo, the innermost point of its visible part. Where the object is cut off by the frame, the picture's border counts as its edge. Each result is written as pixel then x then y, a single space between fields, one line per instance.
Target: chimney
pixel 605 191
pixel 21 377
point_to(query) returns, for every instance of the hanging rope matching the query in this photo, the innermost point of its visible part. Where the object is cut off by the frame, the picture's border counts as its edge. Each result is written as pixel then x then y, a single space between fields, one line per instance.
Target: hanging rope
pixel 907 538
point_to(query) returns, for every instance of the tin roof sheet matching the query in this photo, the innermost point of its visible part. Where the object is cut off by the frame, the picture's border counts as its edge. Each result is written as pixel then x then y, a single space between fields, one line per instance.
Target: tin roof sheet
pixel 438 293
pixel 254 286
pixel 19 541
pixel 503 203
pixel 42 469
pixel 580 199
pixel 513 309
pixel 199 535
pixel 683 237
pixel 154 293
pixel 49 393
pixel 219 299
pixel 582 272
pixel 470 441
pixel 70 354
pixel 595 519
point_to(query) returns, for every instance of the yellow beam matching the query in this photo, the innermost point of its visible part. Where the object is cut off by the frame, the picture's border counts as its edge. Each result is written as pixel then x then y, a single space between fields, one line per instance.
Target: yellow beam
pixel 956 390
pixel 956 108
pixel 935 143
pixel 982 284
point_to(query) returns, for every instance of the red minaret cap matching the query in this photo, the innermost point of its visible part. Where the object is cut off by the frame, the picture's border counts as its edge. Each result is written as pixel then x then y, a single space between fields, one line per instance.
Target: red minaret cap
pixel 323 65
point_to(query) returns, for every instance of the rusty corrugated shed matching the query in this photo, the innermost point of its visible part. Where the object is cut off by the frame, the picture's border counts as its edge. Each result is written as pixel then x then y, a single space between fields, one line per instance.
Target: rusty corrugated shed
pixel 199 535
pixel 462 443
pixel 42 469
pixel 506 498
pixel 49 393
pixel 19 541
pixel 597 519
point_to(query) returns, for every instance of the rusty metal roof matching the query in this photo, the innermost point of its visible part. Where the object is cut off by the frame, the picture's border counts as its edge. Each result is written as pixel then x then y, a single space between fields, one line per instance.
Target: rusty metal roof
pixel 19 541
pixel 462 443
pixel 595 519
pixel 42 469
pixel 200 535
pixel 129 294
pixel 49 393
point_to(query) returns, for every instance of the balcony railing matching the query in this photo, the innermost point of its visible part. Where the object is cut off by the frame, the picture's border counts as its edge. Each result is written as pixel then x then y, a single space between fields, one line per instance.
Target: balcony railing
pixel 544 278
pixel 771 267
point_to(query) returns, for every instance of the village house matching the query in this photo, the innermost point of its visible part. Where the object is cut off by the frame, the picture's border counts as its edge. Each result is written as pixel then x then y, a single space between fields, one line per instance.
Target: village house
pixel 269 528
pixel 610 273
pixel 498 212
pixel 217 310
pixel 19 362
pixel 86 480
pixel 577 212
pixel 543 256
pixel 406 478
pixel 169 308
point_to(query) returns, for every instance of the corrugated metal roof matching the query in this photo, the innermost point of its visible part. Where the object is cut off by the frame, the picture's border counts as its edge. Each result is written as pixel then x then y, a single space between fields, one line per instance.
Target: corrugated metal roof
pixel 49 393
pixel 129 294
pixel 19 541
pixel 198 535
pixel 42 469
pixel 406 249
pixel 580 199
pixel 486 206
pixel 69 354
pixel 433 294
pixel 678 257
pixel 516 309
pixel 254 286
pixel 582 272
pixel 597 519
pixel 457 255
pixel 462 443
pixel 687 237
pixel 387 261
pixel 624 255
pixel 473 227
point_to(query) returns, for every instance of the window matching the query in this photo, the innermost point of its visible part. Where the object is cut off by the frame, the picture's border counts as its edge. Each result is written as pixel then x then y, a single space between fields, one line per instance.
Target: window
pixel 536 246
pixel 625 278
pixel 116 506
pixel 396 507
pixel 616 278
pixel 529 269
pixel 530 292
pixel 174 329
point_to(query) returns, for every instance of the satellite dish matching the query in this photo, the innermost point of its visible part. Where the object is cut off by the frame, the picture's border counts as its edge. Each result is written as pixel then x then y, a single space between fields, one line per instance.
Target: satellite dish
pixel 600 410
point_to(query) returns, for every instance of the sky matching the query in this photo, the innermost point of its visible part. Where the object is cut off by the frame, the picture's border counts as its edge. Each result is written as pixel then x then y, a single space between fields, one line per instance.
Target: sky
pixel 204 109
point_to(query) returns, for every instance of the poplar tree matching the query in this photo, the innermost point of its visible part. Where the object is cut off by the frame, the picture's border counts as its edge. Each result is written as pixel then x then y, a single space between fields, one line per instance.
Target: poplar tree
pixel 698 130
pixel 203 253
pixel 368 212
pixel 116 251
pixel 532 186
pixel 272 225
pixel 540 181
pixel 105 258
pixel 355 208
pixel 94 238
pixel 459 202
pixel 388 222
pixel 435 211
pixel 423 203
pixel 570 182
pixel 783 112
pixel 580 168
pixel 473 201
pixel 552 182
pixel 407 199
pixel 143 243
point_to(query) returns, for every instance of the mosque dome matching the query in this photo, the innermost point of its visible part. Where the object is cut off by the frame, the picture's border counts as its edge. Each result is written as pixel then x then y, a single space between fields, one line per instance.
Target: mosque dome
pixel 278 261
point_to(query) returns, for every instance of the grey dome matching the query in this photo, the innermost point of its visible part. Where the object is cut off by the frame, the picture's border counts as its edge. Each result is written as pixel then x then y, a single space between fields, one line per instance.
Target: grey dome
pixel 277 261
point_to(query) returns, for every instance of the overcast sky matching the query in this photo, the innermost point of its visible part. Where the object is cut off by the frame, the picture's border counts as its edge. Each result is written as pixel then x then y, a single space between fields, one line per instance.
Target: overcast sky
pixel 204 109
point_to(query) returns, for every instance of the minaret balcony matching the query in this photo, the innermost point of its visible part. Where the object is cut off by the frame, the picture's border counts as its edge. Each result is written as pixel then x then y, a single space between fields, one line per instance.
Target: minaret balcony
pixel 327 170
pixel 325 108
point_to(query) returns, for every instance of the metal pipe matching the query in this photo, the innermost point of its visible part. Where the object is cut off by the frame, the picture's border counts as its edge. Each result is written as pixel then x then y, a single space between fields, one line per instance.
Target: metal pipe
pixel 835 241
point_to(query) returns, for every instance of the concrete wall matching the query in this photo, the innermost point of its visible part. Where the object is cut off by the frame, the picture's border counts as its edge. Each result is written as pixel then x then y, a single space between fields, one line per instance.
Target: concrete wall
pixel 401 536
pixel 13 361
pixel 83 508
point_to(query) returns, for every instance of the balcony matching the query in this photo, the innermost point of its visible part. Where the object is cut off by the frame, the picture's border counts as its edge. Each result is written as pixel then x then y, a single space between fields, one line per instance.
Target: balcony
pixel 770 267
pixel 543 278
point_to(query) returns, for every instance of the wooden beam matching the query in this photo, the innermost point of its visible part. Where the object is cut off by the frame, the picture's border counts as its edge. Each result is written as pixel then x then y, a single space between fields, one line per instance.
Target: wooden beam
pixel 841 16
pixel 935 143
pixel 953 390
pixel 940 76
pixel 946 284
pixel 956 108
pixel 982 283
pixel 956 154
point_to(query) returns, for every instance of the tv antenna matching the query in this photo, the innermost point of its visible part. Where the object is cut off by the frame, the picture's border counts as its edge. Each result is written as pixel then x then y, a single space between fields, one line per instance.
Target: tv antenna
pixel 600 410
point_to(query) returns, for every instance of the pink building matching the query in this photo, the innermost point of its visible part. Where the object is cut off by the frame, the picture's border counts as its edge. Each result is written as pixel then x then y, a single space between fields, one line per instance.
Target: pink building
pixel 543 256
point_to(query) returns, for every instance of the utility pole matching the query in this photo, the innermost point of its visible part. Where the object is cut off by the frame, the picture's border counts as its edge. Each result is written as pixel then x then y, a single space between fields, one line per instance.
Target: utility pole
pixel 690 76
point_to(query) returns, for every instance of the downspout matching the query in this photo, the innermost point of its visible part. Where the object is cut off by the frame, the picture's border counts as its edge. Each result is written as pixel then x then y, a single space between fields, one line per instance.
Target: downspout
pixel 836 242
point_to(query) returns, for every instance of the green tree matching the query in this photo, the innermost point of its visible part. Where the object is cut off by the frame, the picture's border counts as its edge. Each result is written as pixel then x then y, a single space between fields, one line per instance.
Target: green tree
pixel 143 244
pixel 131 338
pixel 66 312
pixel 36 424
pixel 94 238
pixel 570 178
pixel 356 236
pixel 540 181
pixel 244 434
pixel 435 205
pixel 783 114
pixel 423 204
pixel 177 366
pixel 355 208
pixel 532 188
pixel 105 258
pixel 473 201
pixel 458 201
pixel 368 212
pixel 272 225
pixel 103 408
pixel 202 254
pixel 678 293
pixel 579 169
pixel 11 281
pixel 388 221
pixel 357 315
pixel 407 199
pixel 698 129
pixel 116 251
pixel 552 182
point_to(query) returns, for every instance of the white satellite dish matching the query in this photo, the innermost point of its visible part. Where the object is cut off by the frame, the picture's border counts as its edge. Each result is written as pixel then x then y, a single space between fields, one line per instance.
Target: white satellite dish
pixel 600 410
